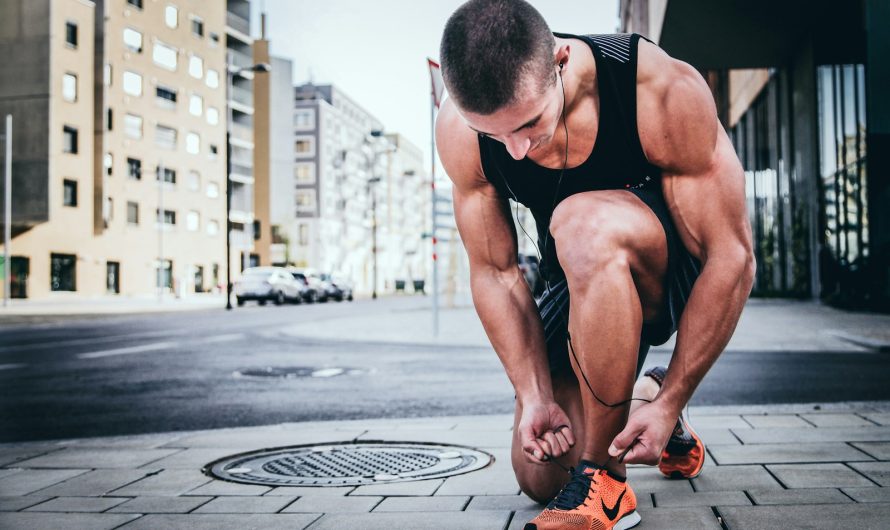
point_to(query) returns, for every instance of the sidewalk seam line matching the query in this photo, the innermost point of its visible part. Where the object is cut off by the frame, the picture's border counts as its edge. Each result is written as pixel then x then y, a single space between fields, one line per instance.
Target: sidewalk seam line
pixel 767 469
pixel 847 464
pixel 845 494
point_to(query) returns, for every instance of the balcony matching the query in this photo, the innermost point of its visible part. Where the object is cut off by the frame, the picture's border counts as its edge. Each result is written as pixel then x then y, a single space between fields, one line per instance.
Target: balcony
pixel 242 95
pixel 242 135
pixel 238 23
pixel 239 59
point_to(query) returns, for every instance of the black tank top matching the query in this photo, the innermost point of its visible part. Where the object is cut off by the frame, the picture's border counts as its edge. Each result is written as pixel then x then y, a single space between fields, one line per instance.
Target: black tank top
pixel 616 162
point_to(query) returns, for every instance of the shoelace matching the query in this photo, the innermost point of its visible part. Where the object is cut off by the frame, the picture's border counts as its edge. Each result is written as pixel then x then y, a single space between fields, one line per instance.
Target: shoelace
pixel 575 492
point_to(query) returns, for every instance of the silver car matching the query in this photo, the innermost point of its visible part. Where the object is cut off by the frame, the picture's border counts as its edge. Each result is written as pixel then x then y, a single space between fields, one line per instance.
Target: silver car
pixel 264 284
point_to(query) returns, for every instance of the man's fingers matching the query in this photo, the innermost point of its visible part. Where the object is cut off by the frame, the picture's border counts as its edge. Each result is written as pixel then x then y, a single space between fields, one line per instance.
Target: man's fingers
pixel 550 439
pixel 624 439
pixel 566 431
pixel 563 443
pixel 534 451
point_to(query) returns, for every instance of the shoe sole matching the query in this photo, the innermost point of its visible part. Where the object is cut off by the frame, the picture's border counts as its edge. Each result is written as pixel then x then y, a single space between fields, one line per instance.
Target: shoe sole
pixel 628 521
pixel 678 474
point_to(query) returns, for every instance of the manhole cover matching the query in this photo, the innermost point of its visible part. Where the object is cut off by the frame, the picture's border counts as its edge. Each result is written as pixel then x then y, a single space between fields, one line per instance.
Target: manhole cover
pixel 352 464
pixel 293 372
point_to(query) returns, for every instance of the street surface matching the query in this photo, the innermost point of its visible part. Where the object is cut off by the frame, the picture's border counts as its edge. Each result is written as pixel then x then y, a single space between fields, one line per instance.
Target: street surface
pixel 64 377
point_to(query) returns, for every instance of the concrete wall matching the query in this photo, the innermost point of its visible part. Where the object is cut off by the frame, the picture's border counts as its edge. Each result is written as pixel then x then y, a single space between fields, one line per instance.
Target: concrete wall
pixel 24 93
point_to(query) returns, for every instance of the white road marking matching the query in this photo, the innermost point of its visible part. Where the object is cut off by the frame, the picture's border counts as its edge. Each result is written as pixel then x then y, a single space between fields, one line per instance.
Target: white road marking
pixel 127 351
pixel 11 366
pixel 222 338
pixel 327 372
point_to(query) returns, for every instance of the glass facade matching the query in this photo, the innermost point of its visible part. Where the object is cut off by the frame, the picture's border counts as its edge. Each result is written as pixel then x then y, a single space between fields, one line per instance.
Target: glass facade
pixel 842 179
pixel 776 192
pixel 763 139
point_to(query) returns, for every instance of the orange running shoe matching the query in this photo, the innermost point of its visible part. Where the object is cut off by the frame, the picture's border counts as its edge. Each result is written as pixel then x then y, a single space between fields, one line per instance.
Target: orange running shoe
pixel 684 455
pixel 593 499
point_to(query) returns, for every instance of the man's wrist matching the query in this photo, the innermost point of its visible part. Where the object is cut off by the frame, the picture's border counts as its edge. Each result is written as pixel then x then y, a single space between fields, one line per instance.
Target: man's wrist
pixel 671 403
pixel 534 394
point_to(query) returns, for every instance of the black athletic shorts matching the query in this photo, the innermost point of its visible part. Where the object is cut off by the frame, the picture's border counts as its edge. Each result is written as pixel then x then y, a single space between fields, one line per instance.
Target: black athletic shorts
pixel 682 271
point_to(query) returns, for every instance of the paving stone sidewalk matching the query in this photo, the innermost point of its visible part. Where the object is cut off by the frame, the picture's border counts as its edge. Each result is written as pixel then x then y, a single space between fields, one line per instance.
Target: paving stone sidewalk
pixel 787 466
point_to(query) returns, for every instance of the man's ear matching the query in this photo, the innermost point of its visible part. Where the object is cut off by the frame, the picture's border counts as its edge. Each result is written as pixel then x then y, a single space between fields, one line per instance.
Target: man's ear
pixel 561 57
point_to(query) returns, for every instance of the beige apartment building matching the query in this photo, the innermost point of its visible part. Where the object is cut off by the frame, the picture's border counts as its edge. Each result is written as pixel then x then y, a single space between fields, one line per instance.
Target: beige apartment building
pixel 119 155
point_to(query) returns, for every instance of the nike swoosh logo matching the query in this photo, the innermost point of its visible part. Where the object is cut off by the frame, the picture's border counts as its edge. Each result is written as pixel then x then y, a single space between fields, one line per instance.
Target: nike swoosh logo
pixel 612 512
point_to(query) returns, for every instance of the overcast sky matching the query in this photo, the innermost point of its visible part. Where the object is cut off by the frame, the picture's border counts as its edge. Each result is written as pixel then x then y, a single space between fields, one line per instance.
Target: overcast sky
pixel 376 51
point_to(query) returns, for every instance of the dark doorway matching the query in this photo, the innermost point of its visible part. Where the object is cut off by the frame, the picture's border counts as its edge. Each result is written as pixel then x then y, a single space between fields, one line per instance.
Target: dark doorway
pixel 20 268
pixel 63 272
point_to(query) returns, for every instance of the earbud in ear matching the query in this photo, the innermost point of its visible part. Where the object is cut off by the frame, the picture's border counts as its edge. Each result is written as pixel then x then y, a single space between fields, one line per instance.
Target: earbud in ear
pixel 560 66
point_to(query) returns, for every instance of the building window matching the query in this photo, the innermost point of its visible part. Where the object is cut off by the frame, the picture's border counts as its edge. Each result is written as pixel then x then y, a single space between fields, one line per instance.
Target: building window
pixel 107 211
pixel 212 78
pixel 166 174
pixel 164 56
pixel 133 40
pixel 168 217
pixel 71 34
pixel 214 150
pixel 165 97
pixel 62 272
pixel 164 274
pixel 212 116
pixel 171 16
pixel 193 143
pixel 197 27
pixel 132 83
pixel 842 157
pixel 212 228
pixel 109 119
pixel 69 87
pixel 106 74
pixel 70 187
pixel 112 277
pixel 196 105
pixel 192 221
pixel 305 146
pixel 132 213
pixel 214 38
pixel 304 173
pixel 165 136
pixel 134 169
pixel 69 139
pixel 108 161
pixel 135 3
pixel 194 181
pixel 133 126
pixel 304 119
pixel 306 200
pixel 196 67
pixel 212 190
pixel 304 235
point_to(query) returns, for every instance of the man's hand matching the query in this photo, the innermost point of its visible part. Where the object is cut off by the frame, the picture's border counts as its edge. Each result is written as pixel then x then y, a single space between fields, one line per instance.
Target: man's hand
pixel 545 431
pixel 646 434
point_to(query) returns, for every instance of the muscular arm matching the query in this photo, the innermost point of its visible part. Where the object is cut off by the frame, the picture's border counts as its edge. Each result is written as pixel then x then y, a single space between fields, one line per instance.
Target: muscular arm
pixel 704 186
pixel 500 294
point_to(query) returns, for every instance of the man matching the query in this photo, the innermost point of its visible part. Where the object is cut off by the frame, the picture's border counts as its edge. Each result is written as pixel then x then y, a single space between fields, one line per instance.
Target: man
pixel 639 200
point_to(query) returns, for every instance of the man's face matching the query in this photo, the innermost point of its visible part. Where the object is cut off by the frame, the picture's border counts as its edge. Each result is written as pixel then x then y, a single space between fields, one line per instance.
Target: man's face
pixel 526 125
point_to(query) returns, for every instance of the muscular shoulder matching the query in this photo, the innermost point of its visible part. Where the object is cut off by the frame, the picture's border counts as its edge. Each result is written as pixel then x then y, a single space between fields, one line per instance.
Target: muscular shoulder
pixel 458 148
pixel 676 114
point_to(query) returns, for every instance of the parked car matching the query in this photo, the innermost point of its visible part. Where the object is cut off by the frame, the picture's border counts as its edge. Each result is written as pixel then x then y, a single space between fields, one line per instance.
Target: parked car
pixel 341 288
pixel 315 288
pixel 267 284
pixel 528 265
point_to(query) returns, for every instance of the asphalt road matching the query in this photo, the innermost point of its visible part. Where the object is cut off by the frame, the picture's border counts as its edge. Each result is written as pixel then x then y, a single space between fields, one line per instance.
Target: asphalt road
pixel 101 376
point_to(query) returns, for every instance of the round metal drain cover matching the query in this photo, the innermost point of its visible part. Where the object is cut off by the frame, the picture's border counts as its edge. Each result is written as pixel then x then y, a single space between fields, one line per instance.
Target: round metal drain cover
pixel 351 464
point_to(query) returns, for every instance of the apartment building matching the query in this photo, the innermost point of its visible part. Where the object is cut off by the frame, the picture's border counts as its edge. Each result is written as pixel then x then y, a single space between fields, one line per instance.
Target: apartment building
pixel 240 78
pixel 119 160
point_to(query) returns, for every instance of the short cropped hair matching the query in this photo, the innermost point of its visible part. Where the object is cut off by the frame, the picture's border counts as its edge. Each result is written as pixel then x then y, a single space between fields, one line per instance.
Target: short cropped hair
pixel 488 47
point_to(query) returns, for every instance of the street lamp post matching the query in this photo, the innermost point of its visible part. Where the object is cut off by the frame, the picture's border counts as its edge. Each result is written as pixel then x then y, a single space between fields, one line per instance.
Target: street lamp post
pixel 231 72
pixel 373 193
